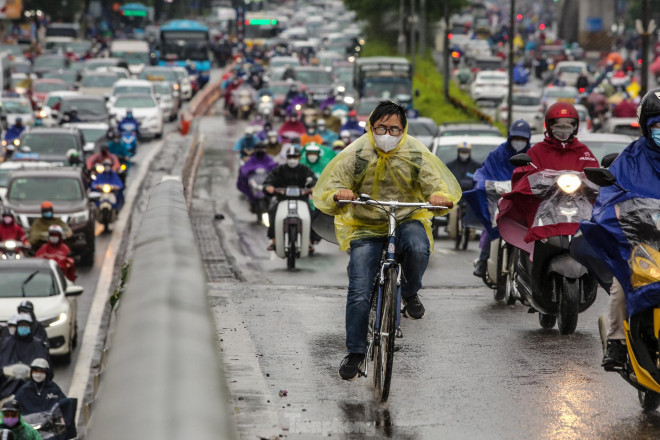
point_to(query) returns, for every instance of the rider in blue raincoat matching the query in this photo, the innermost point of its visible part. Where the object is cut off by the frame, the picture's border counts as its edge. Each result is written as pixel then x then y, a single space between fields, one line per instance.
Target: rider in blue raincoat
pixel 495 168
pixel 637 169
pixel 129 123
pixel 109 177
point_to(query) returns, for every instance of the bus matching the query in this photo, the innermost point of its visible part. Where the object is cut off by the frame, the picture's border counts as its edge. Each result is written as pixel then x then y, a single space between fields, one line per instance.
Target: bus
pixel 183 41
pixel 135 17
pixel 259 27
pixel 384 77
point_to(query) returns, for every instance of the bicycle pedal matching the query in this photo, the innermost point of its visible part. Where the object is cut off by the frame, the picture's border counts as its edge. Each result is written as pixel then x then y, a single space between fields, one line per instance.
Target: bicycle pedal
pixel 397 348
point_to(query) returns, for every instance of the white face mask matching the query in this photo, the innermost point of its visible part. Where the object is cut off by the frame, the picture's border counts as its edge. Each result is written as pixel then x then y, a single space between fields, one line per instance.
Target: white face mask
pixel 292 162
pixel 387 142
pixel 54 240
pixel 518 145
pixel 312 158
pixel 38 377
pixel 561 135
pixel 464 156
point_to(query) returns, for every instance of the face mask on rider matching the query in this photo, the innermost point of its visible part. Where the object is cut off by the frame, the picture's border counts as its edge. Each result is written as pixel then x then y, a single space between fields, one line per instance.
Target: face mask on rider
pixel 54 240
pixel 23 330
pixel 48 214
pixel 655 134
pixel 464 157
pixel 10 421
pixel 562 132
pixel 292 162
pixel 260 154
pixel 312 158
pixel 387 142
pixel 518 145
pixel 38 377
pixel 7 220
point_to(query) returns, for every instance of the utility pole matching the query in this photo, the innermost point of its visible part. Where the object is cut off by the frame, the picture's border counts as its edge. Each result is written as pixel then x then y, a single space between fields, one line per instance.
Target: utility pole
pixel 512 33
pixel 401 40
pixel 645 29
pixel 412 34
pixel 445 50
pixel 422 32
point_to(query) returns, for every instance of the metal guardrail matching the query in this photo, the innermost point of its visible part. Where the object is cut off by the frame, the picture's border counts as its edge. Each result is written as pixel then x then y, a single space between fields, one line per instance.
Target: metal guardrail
pixel 163 379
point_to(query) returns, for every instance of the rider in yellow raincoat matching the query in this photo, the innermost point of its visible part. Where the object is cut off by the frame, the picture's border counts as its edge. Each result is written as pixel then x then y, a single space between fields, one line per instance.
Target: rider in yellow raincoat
pixel 386 164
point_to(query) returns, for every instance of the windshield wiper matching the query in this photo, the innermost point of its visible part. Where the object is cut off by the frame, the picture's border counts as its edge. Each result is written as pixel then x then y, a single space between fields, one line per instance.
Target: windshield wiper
pixel 27 280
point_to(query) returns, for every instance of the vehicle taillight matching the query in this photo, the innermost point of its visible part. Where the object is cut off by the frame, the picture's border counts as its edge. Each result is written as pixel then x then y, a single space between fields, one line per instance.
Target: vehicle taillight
pixel 589 124
pixel 475 69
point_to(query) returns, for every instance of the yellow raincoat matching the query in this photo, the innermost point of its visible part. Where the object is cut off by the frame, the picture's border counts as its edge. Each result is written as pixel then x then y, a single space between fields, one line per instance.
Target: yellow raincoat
pixel 408 173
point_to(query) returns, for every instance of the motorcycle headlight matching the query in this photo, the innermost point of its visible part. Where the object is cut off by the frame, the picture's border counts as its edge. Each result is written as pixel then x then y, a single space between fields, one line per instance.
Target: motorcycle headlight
pixel 42 114
pixel 644 265
pixel 99 168
pixel 265 98
pixel 79 217
pixel 349 100
pixel 4 143
pixel 298 107
pixel 105 188
pixel 54 321
pixel 17 142
pixel 10 245
pixel 569 183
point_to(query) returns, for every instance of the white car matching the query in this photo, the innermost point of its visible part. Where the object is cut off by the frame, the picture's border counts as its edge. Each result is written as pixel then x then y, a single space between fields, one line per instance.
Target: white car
pixel 445 146
pixel 527 106
pixel 97 83
pixel 53 296
pixel 124 86
pixel 49 112
pixel 168 99
pixel 14 108
pixel 184 80
pixel 568 72
pixel 145 109
pixel 490 85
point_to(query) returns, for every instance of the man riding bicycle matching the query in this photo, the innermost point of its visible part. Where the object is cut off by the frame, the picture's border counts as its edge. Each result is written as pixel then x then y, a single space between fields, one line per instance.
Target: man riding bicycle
pixel 386 164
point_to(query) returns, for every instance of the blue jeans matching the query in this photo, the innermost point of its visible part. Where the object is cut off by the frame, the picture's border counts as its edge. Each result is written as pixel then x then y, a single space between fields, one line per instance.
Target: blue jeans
pixel 413 252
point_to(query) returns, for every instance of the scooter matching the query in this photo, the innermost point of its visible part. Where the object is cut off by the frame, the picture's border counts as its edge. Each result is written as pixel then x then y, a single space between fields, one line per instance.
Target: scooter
pixel 105 198
pixel 266 107
pixel 244 102
pixel 128 140
pixel 260 201
pixel 542 275
pixel 292 225
pixel 11 250
pixel 636 217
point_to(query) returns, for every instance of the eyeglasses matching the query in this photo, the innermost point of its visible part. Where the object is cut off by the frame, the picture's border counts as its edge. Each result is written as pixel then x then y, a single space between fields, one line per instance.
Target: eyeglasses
pixel 394 131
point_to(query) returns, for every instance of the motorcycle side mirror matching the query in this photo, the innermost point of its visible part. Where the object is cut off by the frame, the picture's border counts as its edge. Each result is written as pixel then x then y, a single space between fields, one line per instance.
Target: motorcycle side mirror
pixel 608 159
pixel 600 176
pixel 520 160
pixel 308 182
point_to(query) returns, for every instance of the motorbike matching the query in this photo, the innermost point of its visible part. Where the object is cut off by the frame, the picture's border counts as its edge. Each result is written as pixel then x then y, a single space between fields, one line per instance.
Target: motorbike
pixel 292 225
pixel 243 102
pixel 57 423
pixel 637 219
pixel 542 274
pixel 296 105
pixel 11 250
pixel 128 139
pixel 266 107
pixel 15 377
pixel 105 198
pixel 260 201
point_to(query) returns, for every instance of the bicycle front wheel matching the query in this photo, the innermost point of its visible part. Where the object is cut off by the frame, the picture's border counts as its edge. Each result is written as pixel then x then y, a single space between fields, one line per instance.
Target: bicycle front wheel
pixel 384 355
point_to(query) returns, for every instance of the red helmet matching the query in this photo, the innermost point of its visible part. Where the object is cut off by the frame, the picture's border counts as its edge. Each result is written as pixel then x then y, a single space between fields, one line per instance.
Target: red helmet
pixel 561 110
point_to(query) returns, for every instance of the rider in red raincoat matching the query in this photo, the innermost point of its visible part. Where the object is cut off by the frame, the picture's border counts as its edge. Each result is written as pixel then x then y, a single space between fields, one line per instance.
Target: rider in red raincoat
pixel 9 229
pixel 560 150
pixel 55 249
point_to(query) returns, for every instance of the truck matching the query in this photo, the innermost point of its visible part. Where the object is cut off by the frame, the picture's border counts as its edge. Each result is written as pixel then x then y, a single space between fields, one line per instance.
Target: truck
pixel 384 77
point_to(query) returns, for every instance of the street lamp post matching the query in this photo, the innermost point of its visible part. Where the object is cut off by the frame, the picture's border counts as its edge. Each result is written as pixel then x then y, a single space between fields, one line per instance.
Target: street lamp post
pixel 412 34
pixel 445 79
pixel 509 97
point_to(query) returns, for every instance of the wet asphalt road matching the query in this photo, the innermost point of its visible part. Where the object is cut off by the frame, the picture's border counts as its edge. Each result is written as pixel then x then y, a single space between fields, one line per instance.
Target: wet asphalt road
pixel 471 369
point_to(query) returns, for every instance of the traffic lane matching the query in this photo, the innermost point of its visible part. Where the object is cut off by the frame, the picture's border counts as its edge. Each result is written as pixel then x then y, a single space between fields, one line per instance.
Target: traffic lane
pixel 470 369
pixel 88 277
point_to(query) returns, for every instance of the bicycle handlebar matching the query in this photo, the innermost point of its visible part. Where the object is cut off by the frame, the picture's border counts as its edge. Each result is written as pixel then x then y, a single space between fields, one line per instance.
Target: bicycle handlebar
pixel 366 200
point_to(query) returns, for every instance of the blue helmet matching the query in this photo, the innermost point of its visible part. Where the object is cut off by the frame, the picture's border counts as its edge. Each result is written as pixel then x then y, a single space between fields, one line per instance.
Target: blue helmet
pixel 520 128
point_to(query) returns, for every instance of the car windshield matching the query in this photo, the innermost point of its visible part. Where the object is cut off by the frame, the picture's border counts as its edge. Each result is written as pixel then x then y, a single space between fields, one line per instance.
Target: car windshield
pixel 49 62
pixel 131 89
pixel 133 57
pixel 21 107
pixel 93 134
pixel 447 153
pixel 99 80
pixel 135 102
pixel 419 128
pixel 562 93
pixel 38 189
pixel 51 144
pixel 97 64
pixel 279 89
pixel 79 48
pixel 366 107
pixel 44 87
pixel 281 62
pixel 569 69
pixel 13 282
pixel 86 107
pixel 68 76
pixel 19 67
pixel 526 100
pixel 314 77
pixel 159 75
pixel 488 64
pixel 163 88
pixel 496 78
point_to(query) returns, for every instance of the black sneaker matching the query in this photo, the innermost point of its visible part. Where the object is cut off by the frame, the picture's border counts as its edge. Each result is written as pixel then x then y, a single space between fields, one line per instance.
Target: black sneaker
pixel 350 366
pixel 616 355
pixel 413 307
pixel 480 268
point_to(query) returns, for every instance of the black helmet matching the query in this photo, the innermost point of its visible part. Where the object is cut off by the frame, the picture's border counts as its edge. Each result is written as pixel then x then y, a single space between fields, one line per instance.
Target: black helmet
pixel 648 107
pixel 26 306
pixel 11 405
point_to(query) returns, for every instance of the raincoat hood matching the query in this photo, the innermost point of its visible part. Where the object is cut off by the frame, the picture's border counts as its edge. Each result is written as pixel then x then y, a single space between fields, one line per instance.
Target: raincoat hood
pixel 407 173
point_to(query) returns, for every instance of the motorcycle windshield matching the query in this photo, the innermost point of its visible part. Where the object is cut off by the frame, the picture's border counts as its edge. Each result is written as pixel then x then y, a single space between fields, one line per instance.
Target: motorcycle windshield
pixel 566 197
pixel 494 191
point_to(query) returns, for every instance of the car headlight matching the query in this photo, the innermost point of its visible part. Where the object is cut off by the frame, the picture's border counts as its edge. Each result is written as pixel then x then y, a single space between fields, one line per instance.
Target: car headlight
pixel 78 218
pixel 55 321
pixel 569 183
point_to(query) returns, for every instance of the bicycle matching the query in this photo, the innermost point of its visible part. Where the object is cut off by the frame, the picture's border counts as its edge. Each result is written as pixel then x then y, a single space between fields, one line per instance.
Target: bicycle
pixel 385 313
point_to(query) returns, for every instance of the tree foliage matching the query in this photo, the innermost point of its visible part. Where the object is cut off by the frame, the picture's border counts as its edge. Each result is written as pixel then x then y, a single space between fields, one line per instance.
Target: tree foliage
pixel 65 10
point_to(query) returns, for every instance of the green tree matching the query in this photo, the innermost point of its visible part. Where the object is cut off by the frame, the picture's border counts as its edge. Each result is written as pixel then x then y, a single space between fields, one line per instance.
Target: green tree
pixel 64 10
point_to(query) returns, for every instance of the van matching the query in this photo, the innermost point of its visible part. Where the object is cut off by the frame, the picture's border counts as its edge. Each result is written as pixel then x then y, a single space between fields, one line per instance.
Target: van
pixel 59 34
pixel 135 52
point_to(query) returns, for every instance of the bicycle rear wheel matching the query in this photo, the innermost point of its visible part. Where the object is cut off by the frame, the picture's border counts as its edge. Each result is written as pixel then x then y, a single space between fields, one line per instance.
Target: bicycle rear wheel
pixel 384 351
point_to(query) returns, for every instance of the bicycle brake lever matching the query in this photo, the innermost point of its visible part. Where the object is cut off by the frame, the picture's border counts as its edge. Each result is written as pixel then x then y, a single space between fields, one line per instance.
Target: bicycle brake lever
pixel 364 197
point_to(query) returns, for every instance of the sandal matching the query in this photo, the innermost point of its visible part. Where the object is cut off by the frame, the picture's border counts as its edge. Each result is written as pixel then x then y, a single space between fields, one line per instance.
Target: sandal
pixel 271 247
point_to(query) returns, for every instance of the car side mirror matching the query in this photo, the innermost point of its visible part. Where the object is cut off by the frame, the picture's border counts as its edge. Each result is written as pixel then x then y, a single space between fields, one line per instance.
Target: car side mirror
pixel 520 160
pixel 73 290
pixel 608 159
pixel 88 148
pixel 600 176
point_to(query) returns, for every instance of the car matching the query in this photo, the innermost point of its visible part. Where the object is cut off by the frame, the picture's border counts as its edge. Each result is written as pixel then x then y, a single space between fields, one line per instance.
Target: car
pixel 568 72
pixel 279 89
pixel 169 99
pixel 9 166
pixel 96 63
pixel 53 296
pixel 318 81
pixel 13 108
pixel 48 63
pixel 69 76
pixel 600 144
pixel 554 94
pixel 586 125
pixel 160 73
pixel 184 80
pixel 486 62
pixel 49 144
pixel 328 58
pixel 139 86
pixel 42 87
pixel 97 83
pixel 65 189
pixel 283 61
pixel 364 108
pixel 527 106
pixel 490 85
pixel 468 129
pixel 91 133
pixel 89 108
pixel 554 53
pixel 49 111
pixel 423 129
pixel 145 109
pixel 627 126
pixel 445 146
